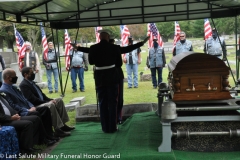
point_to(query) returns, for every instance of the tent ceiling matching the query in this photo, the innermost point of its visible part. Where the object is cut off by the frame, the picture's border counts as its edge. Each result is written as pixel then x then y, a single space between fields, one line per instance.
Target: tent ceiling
pixel 90 13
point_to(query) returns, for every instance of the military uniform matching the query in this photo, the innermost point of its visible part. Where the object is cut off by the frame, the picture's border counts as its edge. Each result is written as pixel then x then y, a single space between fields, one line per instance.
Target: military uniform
pixel 106 57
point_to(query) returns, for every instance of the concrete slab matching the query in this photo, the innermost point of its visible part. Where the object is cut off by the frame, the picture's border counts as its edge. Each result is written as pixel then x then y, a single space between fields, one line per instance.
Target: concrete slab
pixel 90 113
pixel 81 100
pixel 71 106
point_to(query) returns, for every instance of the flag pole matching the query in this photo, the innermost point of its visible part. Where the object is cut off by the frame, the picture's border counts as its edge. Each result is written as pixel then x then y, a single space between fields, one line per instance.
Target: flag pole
pixel 70 62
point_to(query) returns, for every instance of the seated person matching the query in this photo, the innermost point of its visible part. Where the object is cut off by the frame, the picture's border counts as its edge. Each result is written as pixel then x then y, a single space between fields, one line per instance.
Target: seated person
pixel 19 103
pixel 29 128
pixel 35 95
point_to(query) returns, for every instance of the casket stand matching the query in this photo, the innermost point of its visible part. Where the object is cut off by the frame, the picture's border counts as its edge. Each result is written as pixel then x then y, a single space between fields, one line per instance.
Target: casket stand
pixel 198 111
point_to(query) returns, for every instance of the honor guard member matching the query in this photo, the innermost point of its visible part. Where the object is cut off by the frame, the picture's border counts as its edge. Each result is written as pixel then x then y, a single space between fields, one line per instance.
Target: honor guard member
pixel 121 78
pixel 214 47
pixel 107 58
pixel 30 58
pixel 50 62
pixel 156 61
pixel 132 60
pixel 183 45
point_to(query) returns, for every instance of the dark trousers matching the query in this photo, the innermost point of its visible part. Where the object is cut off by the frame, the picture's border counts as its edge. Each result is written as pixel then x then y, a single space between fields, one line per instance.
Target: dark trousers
pixel 28 130
pixel 45 115
pixel 120 100
pixel 153 74
pixel 107 96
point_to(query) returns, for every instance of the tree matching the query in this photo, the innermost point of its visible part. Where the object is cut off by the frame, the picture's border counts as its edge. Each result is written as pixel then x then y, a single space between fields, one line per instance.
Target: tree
pixel 166 30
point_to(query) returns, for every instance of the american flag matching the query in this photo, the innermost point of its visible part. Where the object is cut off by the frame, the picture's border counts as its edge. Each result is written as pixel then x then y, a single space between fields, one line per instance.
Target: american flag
pixel 68 47
pixel 20 46
pixel 124 34
pixel 44 42
pixel 176 34
pixel 154 34
pixel 97 34
pixel 207 29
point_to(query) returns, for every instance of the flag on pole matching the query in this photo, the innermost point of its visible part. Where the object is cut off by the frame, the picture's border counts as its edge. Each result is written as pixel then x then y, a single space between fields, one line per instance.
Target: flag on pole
pixel 68 47
pixel 207 29
pixel 124 34
pixel 176 34
pixel 154 34
pixel 44 43
pixel 97 34
pixel 20 46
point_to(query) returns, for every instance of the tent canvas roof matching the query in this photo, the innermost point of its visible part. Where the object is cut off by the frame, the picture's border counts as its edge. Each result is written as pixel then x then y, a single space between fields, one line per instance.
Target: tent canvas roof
pixel 65 14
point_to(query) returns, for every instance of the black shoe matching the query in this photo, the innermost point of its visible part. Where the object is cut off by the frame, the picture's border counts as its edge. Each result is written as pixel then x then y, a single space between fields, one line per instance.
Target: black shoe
pixel 60 133
pixel 120 122
pixel 49 142
pixel 135 86
pixel 74 91
pixel 53 138
pixel 82 90
pixel 56 91
pixel 50 92
pixel 31 150
pixel 66 128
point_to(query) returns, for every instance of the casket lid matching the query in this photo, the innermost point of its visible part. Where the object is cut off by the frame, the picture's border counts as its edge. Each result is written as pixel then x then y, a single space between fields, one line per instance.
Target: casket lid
pixel 192 61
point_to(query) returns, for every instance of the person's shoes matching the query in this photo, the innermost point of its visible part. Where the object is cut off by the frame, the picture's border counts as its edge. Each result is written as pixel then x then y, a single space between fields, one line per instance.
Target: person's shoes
pixel 49 142
pixel 74 91
pixel 135 86
pixel 56 91
pixel 82 90
pixel 154 87
pixel 60 133
pixel 31 150
pixel 66 128
pixel 129 87
pixel 50 92
pixel 53 138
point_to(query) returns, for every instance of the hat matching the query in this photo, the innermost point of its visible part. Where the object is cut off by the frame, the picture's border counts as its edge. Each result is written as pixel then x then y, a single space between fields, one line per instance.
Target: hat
pixel 105 31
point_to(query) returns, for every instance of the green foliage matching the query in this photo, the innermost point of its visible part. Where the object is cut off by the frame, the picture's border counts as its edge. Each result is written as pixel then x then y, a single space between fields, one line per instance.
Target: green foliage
pixel 166 30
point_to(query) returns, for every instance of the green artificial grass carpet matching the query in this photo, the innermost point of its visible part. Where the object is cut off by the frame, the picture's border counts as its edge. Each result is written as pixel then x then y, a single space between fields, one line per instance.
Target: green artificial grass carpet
pixel 138 138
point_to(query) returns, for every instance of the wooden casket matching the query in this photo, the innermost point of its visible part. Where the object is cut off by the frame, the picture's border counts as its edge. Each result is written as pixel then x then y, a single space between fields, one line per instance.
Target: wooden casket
pixel 198 77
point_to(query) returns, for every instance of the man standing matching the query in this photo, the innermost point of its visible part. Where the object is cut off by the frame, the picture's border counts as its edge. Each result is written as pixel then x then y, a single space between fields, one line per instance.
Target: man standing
pixel 106 57
pixel 78 66
pixel 50 62
pixel 35 95
pixel 120 91
pixel 31 58
pixel 156 62
pixel 183 45
pixel 132 60
pixel 215 46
